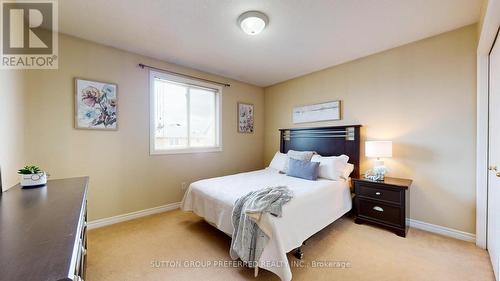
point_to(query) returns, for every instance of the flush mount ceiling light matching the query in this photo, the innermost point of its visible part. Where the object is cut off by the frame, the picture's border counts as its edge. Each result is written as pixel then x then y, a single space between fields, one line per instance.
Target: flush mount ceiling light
pixel 253 22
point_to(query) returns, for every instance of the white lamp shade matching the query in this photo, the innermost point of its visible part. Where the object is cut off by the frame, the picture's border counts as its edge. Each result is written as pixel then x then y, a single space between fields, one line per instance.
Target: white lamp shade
pixel 376 149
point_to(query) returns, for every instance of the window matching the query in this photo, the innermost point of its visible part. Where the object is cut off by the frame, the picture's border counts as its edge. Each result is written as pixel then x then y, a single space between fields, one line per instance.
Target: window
pixel 185 115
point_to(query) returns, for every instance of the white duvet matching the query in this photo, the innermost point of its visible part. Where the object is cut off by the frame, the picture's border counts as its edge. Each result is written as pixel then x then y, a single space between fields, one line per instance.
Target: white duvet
pixel 315 205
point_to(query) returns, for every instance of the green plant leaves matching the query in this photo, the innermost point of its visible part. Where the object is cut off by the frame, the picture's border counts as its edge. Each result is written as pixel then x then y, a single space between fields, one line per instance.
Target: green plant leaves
pixel 28 170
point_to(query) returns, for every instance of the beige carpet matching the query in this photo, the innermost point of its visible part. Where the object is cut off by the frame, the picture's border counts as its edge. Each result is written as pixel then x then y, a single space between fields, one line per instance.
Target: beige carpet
pixel 126 251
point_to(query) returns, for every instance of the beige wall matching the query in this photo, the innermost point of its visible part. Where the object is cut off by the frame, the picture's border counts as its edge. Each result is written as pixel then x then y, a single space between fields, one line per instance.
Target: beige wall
pixel 12 101
pixel 123 176
pixel 422 97
pixel 484 8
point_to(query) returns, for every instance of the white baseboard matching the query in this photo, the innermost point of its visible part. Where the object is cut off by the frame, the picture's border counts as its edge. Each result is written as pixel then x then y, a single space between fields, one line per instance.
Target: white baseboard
pixel 450 232
pixel 134 215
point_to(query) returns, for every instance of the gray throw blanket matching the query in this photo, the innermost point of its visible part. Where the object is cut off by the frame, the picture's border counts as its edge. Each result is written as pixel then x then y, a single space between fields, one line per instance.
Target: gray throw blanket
pixel 248 239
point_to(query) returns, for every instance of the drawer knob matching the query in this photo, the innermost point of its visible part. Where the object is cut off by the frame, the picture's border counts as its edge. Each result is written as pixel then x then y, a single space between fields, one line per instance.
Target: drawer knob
pixel 378 209
pixel 378 193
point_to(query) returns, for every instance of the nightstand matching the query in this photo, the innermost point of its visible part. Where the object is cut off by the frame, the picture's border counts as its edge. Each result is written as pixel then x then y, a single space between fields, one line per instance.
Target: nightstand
pixel 383 203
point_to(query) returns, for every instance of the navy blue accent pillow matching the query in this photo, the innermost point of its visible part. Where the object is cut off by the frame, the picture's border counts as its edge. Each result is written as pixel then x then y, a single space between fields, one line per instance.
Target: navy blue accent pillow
pixel 303 169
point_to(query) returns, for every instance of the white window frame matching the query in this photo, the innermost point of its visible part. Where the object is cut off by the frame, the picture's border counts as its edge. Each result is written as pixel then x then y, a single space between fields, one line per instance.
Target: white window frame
pixel 192 82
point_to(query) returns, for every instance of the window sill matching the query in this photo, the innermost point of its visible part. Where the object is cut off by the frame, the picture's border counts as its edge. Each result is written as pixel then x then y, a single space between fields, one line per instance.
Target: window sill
pixel 186 150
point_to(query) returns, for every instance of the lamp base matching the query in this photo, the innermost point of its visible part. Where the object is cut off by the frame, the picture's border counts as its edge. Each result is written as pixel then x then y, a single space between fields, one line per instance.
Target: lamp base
pixel 378 172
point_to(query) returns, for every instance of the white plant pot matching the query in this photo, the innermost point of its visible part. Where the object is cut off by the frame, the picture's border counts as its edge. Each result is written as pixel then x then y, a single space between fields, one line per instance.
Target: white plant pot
pixel 34 179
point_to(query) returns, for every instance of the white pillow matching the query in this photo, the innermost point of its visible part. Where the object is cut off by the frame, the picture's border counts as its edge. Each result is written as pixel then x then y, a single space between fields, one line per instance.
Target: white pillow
pixel 279 161
pixel 298 155
pixel 348 170
pixel 332 167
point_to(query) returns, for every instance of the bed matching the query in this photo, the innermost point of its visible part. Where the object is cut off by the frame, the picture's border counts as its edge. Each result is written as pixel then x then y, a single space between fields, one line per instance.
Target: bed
pixel 315 205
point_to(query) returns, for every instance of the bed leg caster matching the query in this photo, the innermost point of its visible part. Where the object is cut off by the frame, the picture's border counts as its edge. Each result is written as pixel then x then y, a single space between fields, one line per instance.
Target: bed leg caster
pixel 298 253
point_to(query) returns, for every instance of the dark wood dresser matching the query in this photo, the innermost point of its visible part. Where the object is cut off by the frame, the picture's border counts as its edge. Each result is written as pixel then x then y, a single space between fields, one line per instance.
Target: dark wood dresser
pixel 383 203
pixel 43 232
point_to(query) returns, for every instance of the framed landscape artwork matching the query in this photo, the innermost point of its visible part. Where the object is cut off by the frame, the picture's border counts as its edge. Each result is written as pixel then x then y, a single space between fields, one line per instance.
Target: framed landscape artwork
pixel 96 105
pixel 245 118
pixel 316 112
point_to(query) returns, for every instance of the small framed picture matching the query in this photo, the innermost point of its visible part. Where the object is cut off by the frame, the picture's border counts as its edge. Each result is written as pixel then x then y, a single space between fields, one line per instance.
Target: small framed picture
pixel 96 105
pixel 245 118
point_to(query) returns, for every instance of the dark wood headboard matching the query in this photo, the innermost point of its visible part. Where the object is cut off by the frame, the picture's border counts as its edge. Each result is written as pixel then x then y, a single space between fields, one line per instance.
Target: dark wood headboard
pixel 326 141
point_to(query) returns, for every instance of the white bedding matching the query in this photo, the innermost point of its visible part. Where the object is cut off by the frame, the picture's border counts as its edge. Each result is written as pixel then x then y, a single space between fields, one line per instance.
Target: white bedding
pixel 315 205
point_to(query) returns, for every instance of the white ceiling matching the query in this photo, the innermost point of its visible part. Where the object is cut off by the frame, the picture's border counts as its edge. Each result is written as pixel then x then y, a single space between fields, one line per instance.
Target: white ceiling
pixel 303 35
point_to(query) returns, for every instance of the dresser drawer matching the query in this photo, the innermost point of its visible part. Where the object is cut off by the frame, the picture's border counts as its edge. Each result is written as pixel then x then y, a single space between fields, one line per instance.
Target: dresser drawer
pixel 372 191
pixel 380 212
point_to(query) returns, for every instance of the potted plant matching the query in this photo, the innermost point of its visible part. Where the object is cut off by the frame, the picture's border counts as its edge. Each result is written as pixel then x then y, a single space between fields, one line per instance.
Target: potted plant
pixel 32 176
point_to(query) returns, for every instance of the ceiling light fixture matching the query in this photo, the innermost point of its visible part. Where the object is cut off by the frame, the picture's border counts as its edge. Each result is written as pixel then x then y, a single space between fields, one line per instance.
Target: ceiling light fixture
pixel 253 22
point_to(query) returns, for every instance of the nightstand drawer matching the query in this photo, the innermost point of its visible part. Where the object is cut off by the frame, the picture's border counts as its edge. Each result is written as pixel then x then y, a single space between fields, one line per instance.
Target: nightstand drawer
pixel 381 212
pixel 371 191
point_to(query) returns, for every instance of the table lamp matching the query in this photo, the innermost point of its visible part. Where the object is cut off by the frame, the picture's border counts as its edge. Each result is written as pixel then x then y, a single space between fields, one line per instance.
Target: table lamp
pixel 378 149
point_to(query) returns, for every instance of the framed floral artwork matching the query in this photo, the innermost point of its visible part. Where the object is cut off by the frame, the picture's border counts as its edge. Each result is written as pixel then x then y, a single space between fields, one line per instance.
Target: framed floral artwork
pixel 96 105
pixel 245 118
